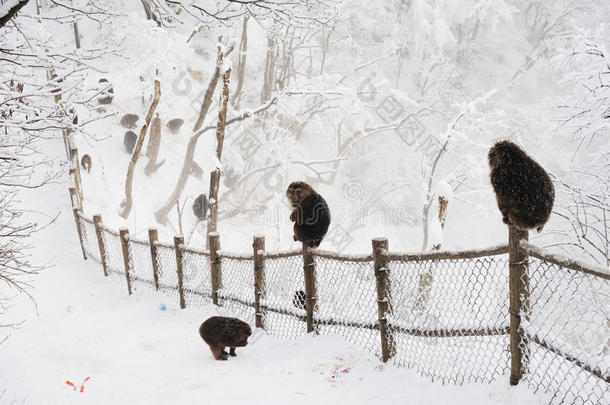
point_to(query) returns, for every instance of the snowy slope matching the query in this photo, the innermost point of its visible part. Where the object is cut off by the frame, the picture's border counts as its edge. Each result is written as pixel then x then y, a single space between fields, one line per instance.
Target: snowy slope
pixel 136 353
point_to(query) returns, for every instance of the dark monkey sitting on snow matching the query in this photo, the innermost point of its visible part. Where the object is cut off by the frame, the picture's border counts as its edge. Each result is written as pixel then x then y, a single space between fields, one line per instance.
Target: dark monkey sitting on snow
pixel 310 214
pixel 524 190
pixel 219 332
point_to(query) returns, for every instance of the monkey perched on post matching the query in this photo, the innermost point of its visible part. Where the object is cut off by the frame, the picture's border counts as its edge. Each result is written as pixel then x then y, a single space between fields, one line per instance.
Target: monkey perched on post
pixel 524 190
pixel 86 163
pixel 219 332
pixel 310 214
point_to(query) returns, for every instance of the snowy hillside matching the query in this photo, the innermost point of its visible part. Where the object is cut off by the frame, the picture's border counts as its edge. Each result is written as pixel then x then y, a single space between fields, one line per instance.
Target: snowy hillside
pixel 193 118
pixel 143 349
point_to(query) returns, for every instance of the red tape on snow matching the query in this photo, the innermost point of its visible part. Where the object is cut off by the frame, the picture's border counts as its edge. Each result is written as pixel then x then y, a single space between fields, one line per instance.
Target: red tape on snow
pixel 82 386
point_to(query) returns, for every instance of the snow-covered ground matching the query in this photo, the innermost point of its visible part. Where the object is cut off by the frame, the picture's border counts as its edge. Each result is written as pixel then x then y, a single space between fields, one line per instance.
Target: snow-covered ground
pixel 136 353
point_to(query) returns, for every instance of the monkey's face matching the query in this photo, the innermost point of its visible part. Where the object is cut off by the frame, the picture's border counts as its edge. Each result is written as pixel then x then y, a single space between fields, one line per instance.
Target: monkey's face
pixel 297 192
pixel 241 339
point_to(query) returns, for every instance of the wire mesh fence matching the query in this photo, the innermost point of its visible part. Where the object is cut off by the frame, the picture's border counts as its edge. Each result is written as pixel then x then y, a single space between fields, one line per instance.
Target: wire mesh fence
pixel 236 292
pixel 196 278
pixel 283 301
pixel 566 324
pixel 446 315
pixel 449 317
pixel 347 301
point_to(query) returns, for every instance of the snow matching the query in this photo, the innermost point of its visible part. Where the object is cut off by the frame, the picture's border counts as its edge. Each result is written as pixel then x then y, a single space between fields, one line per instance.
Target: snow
pixel 135 352
pixel 226 64
pixel 143 349
pixel 6 6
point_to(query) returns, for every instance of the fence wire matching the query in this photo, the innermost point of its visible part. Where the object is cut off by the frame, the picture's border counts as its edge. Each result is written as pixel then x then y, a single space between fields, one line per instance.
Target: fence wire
pixel 196 278
pixel 347 301
pixel 114 256
pixel 90 243
pixel 566 323
pixel 283 305
pixel 141 272
pixel 236 292
pixel 168 276
pixel 450 318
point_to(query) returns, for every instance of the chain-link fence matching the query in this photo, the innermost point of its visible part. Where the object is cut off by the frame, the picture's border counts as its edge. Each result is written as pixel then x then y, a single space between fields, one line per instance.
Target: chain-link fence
pixel 566 328
pixel 450 317
pixel 445 315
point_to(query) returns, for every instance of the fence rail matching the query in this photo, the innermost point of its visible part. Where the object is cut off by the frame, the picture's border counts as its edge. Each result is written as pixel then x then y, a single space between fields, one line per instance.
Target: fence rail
pixel 454 327
pixel 456 317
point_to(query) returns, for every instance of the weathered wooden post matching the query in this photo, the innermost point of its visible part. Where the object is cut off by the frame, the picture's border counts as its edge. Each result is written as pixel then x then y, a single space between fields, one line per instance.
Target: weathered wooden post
pixel 311 291
pixel 178 242
pixel 76 167
pixel 215 265
pixel 97 221
pixel 76 202
pixel 153 237
pixel 258 245
pixel 519 301
pixel 74 198
pixel 79 230
pixel 382 275
pixel 124 235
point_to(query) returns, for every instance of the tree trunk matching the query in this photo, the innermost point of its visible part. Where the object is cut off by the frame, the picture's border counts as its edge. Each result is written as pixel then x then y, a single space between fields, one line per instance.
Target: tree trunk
pixel 269 69
pixel 161 214
pixel 128 202
pixel 12 11
pixel 426 279
pixel 220 136
pixel 207 100
pixel 154 143
pixel 241 67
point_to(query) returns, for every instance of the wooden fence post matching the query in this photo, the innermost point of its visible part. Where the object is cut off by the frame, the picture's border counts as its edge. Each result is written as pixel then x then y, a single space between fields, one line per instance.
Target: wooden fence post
pixel 76 166
pixel 79 231
pixel 382 275
pixel 97 220
pixel 153 236
pixel 258 245
pixel 74 200
pixel 124 235
pixel 178 241
pixel 215 265
pixel 311 293
pixel 519 302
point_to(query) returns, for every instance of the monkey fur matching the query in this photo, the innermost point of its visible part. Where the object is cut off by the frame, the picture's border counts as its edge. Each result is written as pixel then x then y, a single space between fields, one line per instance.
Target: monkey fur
pixel 129 121
pixel 220 331
pixel 86 163
pixel 174 125
pixel 524 191
pixel 310 214
pixel 200 207
pixel 129 141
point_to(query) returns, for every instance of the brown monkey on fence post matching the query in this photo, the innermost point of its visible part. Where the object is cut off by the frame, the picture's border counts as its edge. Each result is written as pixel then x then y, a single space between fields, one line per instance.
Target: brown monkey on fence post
pixel 524 191
pixel 310 214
